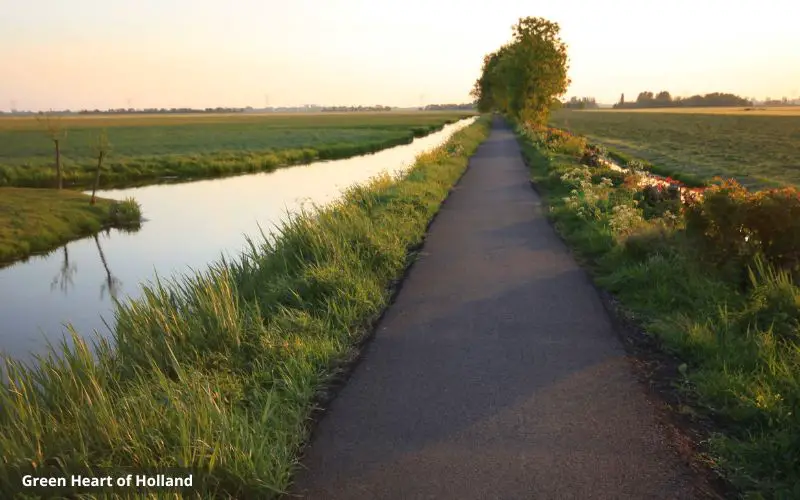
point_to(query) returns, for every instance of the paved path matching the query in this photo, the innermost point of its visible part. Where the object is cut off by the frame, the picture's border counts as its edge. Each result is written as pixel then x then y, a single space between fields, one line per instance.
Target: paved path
pixel 496 373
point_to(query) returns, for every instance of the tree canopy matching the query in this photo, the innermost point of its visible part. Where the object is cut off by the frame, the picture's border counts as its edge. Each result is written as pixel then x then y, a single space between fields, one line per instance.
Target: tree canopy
pixel 524 78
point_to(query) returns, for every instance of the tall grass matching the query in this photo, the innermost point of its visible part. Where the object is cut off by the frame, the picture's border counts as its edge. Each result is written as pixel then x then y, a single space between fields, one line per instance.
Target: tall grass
pixel 220 371
pixel 741 346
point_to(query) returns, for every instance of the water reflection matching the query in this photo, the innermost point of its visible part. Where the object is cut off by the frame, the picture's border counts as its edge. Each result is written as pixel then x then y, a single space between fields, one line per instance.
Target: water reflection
pixel 111 284
pixel 63 280
pixel 187 227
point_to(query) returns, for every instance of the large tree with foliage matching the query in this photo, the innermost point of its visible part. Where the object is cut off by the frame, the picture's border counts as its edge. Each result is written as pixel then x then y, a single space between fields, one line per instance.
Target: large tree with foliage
pixel 526 76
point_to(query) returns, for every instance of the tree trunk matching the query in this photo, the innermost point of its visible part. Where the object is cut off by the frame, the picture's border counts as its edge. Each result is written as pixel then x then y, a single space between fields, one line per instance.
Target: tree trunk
pixel 58 166
pixel 96 178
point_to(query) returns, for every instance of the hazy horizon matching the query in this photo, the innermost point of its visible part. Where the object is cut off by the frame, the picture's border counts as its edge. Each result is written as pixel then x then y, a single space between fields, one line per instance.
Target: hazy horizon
pixel 177 53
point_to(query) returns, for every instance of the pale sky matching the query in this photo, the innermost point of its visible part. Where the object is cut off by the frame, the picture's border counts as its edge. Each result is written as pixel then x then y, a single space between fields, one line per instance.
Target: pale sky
pixel 202 53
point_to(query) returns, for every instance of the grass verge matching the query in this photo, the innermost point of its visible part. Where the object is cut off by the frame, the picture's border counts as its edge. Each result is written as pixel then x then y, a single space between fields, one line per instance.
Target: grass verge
pixel 740 348
pixel 39 220
pixel 219 372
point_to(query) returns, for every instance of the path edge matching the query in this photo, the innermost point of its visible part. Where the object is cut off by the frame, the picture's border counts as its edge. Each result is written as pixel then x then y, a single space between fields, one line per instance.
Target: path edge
pixel 345 369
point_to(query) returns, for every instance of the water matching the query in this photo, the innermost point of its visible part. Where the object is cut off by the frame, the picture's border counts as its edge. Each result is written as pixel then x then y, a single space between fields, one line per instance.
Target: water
pixel 188 226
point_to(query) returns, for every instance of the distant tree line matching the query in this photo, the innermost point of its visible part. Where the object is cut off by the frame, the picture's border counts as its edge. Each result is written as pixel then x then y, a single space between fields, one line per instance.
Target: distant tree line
pixel 582 103
pixel 449 107
pixel 357 108
pixel 664 100
pixel 780 102
pixel 120 111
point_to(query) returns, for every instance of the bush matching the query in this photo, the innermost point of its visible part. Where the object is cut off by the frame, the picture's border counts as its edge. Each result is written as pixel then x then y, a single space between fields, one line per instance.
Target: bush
pixel 616 177
pixel 718 222
pixel 625 219
pixel 774 219
pixel 586 199
pixel 593 155
pixel 734 225
pixel 656 200
pixel 560 141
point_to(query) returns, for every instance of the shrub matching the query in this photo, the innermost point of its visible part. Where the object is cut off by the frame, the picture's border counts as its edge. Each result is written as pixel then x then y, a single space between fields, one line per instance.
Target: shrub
pixel 658 199
pixel 616 177
pixel 560 141
pixel 773 217
pixel 585 197
pixel 734 225
pixel 625 219
pixel 593 155
pixel 718 222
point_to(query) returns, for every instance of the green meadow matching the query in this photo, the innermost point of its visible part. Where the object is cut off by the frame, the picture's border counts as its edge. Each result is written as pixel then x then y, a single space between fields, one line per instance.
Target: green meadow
pixel 155 148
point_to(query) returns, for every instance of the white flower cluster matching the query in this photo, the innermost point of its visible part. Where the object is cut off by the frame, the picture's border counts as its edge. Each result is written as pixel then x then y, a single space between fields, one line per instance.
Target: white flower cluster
pixel 625 218
pixel 585 195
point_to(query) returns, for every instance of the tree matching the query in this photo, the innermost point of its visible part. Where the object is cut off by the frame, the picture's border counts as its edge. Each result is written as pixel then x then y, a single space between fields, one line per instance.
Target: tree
pixel 663 98
pixel 101 147
pixel 51 124
pixel 581 103
pixel 525 77
pixel 645 99
pixel 489 90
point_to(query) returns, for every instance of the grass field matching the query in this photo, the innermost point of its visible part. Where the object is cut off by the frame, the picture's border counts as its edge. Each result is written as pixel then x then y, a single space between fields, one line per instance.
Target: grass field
pixel 758 150
pixel 221 371
pixel 37 220
pixel 714 110
pixel 147 148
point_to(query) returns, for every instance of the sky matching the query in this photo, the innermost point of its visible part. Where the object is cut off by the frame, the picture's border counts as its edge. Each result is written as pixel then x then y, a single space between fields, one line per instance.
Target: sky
pixel 58 54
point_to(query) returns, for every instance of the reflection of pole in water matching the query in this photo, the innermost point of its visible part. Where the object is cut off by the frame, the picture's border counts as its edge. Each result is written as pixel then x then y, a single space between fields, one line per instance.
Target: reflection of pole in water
pixel 111 283
pixel 63 279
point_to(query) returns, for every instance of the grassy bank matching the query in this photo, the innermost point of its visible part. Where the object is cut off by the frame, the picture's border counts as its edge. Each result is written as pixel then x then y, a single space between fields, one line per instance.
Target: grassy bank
pixel 38 220
pixel 149 148
pixel 757 150
pixel 220 371
pixel 739 339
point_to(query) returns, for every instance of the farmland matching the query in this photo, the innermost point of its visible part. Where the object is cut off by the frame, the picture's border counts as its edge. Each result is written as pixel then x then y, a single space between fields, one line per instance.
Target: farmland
pixel 758 148
pixel 150 148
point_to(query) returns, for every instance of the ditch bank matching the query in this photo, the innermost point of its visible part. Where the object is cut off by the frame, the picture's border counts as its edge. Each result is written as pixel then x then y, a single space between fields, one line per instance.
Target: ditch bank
pixel 35 221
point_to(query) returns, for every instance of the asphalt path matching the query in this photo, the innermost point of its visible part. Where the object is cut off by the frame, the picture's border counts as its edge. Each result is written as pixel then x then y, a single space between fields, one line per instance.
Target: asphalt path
pixel 496 373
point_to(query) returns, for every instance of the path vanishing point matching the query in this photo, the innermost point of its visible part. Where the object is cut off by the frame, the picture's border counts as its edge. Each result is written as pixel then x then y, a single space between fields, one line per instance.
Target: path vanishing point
pixel 496 373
